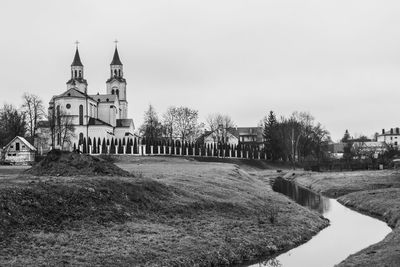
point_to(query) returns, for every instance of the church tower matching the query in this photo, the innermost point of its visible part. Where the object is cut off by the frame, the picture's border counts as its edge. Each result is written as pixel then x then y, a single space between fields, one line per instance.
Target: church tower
pixel 116 84
pixel 77 80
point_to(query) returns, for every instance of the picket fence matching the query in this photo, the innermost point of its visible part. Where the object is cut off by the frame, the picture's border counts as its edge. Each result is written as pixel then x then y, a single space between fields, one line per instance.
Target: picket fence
pixel 142 147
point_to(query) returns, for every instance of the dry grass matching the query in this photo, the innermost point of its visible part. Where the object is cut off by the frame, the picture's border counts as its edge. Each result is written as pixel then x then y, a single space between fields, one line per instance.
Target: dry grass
pixel 178 213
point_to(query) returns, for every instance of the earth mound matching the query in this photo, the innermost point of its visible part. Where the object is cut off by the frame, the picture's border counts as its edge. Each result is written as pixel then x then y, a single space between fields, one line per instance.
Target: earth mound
pixel 63 163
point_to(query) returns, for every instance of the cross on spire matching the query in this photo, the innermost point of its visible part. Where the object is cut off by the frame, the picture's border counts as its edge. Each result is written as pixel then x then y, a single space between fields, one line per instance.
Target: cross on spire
pixel 116 42
pixel 76 43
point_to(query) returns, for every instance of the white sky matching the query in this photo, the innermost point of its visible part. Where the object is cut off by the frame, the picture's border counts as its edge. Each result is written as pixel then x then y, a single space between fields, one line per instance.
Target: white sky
pixel 339 59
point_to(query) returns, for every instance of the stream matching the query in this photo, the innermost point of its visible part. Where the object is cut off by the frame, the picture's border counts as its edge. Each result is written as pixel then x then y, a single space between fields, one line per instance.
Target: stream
pixel 348 232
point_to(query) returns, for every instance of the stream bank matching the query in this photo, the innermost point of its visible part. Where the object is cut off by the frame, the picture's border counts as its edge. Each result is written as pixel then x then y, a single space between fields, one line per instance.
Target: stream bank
pixel 374 193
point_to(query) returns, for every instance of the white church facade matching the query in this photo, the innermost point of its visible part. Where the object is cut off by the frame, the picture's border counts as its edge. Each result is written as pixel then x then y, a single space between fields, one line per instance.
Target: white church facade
pixel 91 117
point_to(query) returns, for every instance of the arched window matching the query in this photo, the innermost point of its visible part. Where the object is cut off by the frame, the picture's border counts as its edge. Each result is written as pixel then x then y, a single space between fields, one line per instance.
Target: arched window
pixel 80 138
pixel 117 92
pixel 81 115
pixel 58 115
pixel 76 74
pixel 115 72
pixel 119 73
pixel 112 91
pixel 80 74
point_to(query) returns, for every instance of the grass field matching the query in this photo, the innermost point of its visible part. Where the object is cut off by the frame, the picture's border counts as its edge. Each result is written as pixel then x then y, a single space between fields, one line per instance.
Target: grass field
pixel 173 212
pixel 376 193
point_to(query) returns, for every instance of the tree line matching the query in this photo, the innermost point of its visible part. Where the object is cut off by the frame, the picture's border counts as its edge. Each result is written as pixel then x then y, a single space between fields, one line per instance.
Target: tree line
pixel 22 121
pixel 295 138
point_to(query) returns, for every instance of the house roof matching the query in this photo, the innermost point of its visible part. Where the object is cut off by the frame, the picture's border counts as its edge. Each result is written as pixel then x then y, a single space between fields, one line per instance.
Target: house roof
pixel 124 122
pixel 116 60
pixel 77 59
pixel 94 121
pixel 23 140
pixel 103 98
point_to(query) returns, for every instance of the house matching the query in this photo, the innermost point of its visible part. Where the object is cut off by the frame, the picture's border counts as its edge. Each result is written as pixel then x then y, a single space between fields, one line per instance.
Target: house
pixel 225 136
pixel 390 137
pixel 336 150
pixel 20 151
pixel 252 136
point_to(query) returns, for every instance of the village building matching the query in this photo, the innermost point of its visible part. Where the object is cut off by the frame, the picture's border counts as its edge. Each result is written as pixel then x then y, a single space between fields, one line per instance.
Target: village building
pixel 91 116
pixel 251 136
pixel 390 137
pixel 19 151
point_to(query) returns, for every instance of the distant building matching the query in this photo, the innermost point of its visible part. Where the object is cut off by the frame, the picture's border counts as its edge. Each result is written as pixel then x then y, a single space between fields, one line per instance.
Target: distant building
pixel 336 150
pixel 19 150
pixel 390 137
pixel 252 136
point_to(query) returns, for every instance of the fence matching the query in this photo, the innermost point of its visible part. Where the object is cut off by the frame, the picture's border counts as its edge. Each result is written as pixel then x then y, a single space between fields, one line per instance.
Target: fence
pixel 136 146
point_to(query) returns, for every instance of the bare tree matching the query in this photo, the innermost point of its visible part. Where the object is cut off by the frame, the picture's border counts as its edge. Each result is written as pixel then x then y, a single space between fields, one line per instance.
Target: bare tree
pixel 62 129
pixel 34 111
pixel 219 126
pixel 181 122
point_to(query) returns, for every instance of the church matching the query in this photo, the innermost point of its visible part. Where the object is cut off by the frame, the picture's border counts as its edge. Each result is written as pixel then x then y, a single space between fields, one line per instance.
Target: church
pixel 75 115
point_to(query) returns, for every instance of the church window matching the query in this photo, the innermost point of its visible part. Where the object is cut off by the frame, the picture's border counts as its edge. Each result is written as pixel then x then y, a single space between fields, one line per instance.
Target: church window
pixel 17 146
pixel 119 73
pixel 76 73
pixel 115 72
pixel 80 74
pixel 81 115
pixel 80 137
pixel 68 106
pixel 112 91
pixel 58 115
pixel 117 92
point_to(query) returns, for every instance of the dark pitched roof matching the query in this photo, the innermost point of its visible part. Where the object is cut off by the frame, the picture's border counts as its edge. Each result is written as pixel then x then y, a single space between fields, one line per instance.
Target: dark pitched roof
pixel 103 98
pixel 29 145
pixel 124 122
pixel 94 121
pixel 116 60
pixel 72 92
pixel 73 81
pixel 77 59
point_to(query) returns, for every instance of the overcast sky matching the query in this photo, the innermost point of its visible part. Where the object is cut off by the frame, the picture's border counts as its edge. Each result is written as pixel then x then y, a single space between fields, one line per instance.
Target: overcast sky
pixel 338 60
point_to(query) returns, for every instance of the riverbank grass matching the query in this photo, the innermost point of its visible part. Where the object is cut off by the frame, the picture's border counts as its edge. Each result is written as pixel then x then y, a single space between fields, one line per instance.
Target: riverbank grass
pixel 172 212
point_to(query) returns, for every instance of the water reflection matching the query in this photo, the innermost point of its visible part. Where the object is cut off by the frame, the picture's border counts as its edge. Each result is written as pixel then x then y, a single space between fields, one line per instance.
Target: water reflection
pixel 302 195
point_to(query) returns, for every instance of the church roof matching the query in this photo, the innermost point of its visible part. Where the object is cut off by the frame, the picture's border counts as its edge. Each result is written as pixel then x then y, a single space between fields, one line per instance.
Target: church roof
pixel 94 121
pixel 103 98
pixel 73 81
pixel 77 59
pixel 124 122
pixel 116 60
pixel 72 92
pixel 120 79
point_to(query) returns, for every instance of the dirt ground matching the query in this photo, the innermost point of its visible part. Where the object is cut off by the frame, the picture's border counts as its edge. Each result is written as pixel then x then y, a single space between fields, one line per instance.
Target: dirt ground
pixel 376 193
pixel 171 212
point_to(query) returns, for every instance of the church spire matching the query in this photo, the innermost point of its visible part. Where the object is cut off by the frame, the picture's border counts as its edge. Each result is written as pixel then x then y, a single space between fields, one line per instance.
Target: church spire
pixel 77 78
pixel 116 60
pixel 77 59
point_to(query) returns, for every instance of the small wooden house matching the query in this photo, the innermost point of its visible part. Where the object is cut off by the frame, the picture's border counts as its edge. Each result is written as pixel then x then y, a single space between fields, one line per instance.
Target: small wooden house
pixel 19 151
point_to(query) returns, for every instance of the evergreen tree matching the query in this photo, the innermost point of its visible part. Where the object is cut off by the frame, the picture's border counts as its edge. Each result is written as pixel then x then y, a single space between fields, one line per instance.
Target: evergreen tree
pixel 270 133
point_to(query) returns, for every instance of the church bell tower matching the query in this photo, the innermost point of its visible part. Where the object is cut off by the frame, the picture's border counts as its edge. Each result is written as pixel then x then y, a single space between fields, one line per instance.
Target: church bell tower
pixel 77 80
pixel 116 84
